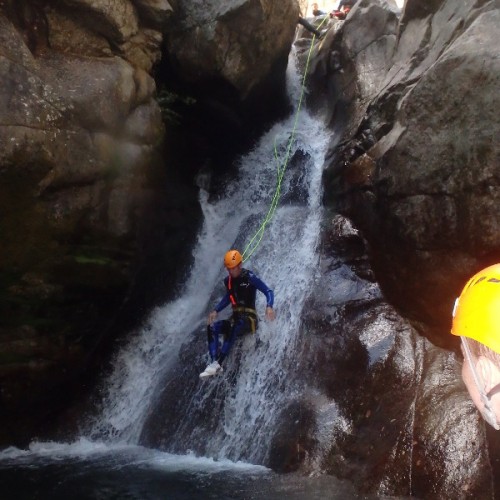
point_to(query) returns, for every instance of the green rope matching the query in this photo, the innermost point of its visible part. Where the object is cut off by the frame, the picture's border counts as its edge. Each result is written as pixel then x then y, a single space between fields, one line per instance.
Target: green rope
pixel 253 244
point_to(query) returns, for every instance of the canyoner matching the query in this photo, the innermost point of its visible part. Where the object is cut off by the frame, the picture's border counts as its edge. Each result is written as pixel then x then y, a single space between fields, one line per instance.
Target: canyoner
pixel 241 288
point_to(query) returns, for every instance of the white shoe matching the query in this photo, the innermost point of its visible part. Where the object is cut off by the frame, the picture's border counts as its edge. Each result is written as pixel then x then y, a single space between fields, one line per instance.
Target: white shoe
pixel 212 369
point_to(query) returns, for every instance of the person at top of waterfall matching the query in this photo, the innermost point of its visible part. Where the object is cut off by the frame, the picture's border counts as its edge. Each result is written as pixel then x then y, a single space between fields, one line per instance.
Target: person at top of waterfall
pixel 476 320
pixel 343 9
pixel 241 289
pixel 316 11
pixel 308 26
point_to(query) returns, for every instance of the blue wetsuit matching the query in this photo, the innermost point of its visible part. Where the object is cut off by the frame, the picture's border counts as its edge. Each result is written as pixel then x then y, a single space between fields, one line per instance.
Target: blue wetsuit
pixel 240 293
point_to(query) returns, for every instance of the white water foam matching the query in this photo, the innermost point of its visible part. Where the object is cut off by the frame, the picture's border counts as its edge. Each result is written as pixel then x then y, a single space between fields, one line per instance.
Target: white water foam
pixel 42 453
pixel 138 367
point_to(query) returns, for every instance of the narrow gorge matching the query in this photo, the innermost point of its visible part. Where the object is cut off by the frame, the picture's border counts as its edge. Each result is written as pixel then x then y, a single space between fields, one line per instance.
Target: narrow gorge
pixel 141 139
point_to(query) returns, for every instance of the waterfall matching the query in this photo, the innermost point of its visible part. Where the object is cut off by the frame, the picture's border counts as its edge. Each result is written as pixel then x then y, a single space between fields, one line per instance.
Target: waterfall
pixel 251 391
pixel 344 383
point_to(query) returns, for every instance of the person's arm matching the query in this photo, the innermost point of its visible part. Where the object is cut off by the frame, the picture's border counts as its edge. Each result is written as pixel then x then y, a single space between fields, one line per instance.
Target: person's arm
pixel 309 27
pixel 262 287
pixel 223 303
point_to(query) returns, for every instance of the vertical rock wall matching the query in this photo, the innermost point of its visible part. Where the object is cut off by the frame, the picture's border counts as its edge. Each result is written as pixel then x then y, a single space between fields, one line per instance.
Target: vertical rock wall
pixel 97 213
pixel 416 162
pixel 80 139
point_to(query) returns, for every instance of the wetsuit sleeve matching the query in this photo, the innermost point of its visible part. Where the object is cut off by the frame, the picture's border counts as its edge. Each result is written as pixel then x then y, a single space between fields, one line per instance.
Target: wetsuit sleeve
pixel 224 302
pixel 262 287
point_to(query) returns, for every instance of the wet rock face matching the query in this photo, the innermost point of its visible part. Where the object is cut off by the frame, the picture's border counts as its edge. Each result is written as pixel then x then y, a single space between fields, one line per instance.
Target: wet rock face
pixel 232 57
pixel 80 134
pixel 386 408
pixel 240 41
pixel 294 439
pixel 415 163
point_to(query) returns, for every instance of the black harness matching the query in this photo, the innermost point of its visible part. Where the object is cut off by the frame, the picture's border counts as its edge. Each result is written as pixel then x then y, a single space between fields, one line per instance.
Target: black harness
pixel 242 296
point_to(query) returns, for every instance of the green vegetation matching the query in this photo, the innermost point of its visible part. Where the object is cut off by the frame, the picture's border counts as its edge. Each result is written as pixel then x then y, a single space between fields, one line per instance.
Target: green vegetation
pixel 100 261
pixel 169 102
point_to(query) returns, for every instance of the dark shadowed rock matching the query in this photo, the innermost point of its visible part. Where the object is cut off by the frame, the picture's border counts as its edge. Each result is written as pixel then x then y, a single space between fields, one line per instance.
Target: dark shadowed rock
pixel 295 439
pixel 232 56
pixel 80 139
pixel 416 162
pixel 239 41
pixel 400 421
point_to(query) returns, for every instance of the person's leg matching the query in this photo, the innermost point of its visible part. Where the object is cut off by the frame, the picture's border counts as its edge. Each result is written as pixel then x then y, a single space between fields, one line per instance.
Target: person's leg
pixel 213 332
pixel 240 325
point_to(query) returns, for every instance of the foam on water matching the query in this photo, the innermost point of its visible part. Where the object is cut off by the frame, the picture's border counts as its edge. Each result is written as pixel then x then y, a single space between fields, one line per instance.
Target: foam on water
pixel 43 453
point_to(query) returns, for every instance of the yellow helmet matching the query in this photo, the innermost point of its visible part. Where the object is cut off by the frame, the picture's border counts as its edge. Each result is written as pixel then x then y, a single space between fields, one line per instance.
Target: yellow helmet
pixel 477 311
pixel 232 259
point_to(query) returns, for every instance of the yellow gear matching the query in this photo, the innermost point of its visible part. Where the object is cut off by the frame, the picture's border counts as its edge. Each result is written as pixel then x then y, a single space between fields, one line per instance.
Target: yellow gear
pixel 477 311
pixel 232 259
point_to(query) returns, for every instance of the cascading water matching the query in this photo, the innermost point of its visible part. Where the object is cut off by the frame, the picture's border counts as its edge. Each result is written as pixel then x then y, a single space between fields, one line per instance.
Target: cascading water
pixel 245 401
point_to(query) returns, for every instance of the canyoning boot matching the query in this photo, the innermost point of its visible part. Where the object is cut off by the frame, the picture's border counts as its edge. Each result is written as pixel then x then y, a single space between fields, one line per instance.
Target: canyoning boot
pixel 212 369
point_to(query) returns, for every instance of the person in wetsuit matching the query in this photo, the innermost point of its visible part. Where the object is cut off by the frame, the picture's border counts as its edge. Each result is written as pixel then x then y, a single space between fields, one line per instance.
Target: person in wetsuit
pixel 241 290
pixel 316 11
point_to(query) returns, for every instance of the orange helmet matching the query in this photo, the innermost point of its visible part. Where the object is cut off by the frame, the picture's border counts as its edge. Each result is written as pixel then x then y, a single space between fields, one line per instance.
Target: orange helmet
pixel 232 259
pixel 477 311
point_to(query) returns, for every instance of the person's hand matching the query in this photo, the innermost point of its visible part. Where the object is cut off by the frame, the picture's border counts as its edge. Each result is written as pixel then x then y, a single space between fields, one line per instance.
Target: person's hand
pixel 212 317
pixel 270 314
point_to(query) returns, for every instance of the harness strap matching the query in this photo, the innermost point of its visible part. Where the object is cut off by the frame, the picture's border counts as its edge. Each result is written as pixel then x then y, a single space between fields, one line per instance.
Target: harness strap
pixel 253 323
pixel 246 310
pixel 232 298
pixel 251 315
